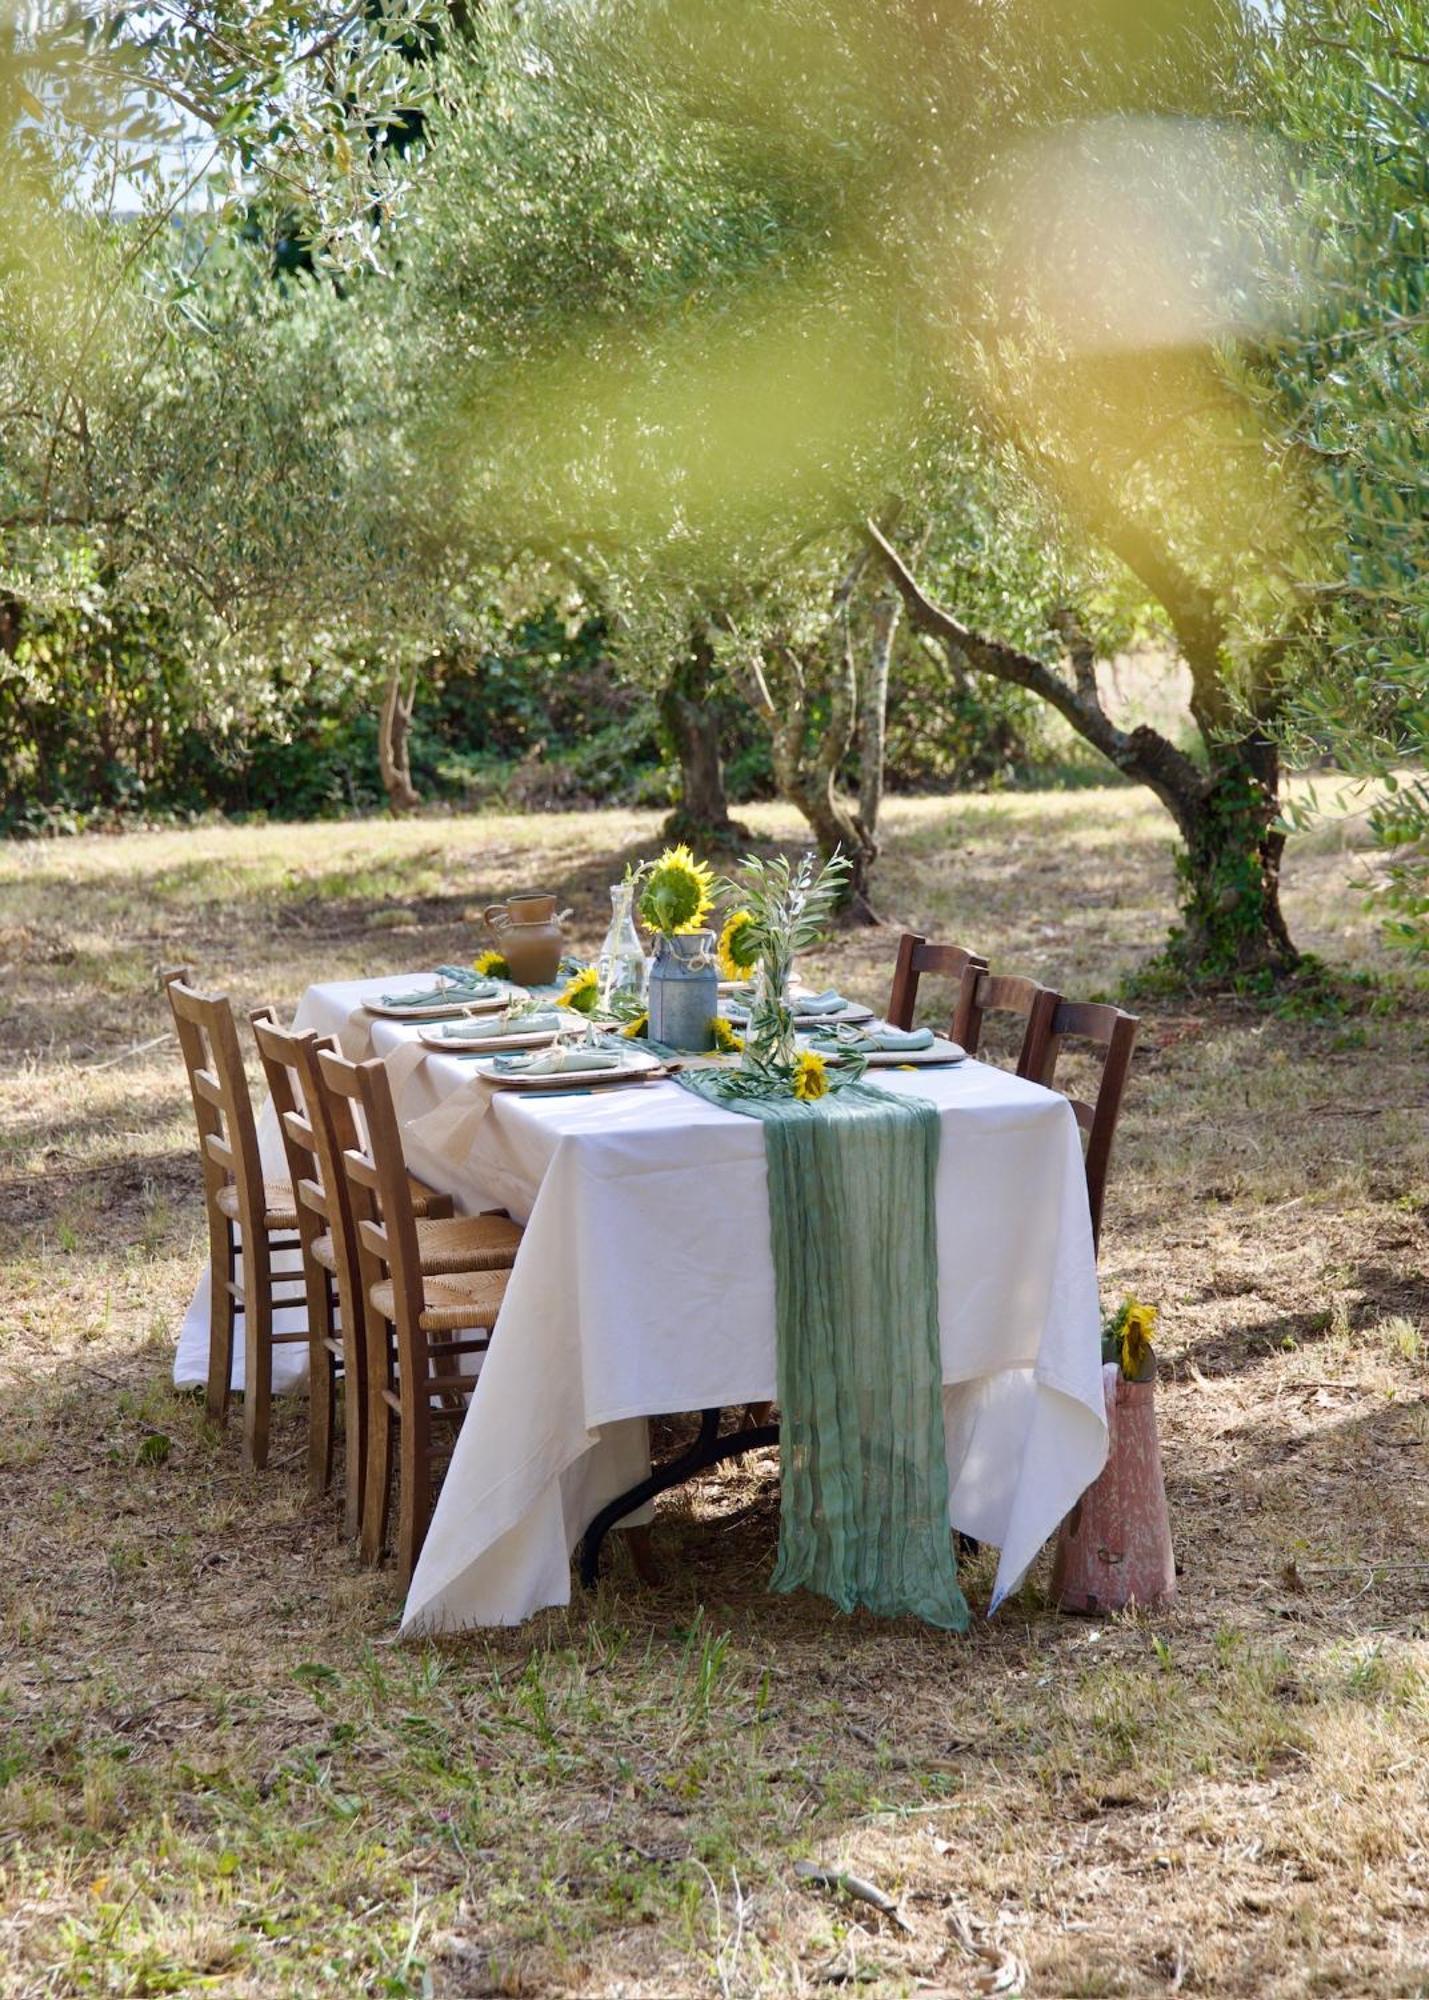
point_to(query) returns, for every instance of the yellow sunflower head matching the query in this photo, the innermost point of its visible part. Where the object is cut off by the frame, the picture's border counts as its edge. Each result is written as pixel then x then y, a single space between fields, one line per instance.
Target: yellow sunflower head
pixel 725 1039
pixel 678 893
pixel 636 1029
pixel 811 1077
pixel 1136 1331
pixel 490 965
pixel 737 951
pixel 580 994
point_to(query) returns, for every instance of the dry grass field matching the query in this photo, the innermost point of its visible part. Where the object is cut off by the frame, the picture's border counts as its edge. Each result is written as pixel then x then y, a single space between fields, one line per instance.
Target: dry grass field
pixel 219 1772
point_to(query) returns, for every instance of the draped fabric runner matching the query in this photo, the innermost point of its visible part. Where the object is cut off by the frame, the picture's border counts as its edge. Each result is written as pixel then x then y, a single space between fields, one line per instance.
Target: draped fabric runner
pixel 864 1473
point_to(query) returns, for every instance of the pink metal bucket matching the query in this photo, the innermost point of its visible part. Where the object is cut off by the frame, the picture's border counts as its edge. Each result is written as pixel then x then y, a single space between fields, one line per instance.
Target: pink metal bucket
pixel 1114 1548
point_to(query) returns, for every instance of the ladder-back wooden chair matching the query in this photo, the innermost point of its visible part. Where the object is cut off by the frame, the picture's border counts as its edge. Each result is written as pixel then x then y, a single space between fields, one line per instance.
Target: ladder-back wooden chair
pixel 318 1127
pixel 1114 1032
pixel 248 1218
pixel 981 993
pixel 281 1052
pixel 917 956
pixel 418 1328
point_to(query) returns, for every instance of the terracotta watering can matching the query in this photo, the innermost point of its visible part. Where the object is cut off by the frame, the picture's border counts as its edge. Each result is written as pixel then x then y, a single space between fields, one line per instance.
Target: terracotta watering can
pixel 527 932
pixel 1114 1548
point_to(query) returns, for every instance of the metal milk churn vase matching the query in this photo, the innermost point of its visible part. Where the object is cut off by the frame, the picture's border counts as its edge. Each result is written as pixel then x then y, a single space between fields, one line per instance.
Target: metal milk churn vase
pixel 1114 1548
pixel 684 991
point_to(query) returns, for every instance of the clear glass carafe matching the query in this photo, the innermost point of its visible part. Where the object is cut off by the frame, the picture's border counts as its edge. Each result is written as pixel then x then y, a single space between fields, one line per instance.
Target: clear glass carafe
pixel 621 969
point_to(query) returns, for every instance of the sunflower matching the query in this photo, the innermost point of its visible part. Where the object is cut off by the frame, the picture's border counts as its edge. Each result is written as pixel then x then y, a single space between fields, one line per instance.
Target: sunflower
pixel 678 893
pixel 637 1028
pixel 811 1077
pixel 737 951
pixel 490 965
pixel 725 1039
pixel 1137 1327
pixel 580 995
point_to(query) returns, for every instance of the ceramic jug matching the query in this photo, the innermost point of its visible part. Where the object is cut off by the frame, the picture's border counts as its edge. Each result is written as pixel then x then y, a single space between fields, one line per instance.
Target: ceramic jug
pixel 1114 1548
pixel 527 932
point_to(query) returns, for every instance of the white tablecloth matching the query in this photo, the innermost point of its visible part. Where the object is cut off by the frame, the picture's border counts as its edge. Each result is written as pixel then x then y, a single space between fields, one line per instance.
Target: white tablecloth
pixel 645 1285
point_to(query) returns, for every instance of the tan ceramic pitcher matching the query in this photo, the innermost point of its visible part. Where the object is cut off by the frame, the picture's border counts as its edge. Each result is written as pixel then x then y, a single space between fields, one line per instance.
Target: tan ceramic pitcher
pixel 527 932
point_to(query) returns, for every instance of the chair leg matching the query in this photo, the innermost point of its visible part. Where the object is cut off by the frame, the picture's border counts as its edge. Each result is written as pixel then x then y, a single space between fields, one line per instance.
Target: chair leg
pixel 257 1351
pixel 322 1327
pixel 223 1269
pixel 377 1491
pixel 414 1480
pixel 641 1544
pixel 355 1423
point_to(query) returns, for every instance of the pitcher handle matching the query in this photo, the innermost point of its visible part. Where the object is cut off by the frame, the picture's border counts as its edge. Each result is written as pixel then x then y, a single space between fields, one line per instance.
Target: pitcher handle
pixel 496 917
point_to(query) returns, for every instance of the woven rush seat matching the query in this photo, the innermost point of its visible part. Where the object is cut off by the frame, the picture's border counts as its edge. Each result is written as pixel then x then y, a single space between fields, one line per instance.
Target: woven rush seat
pixel 428 1200
pixel 472 1298
pixel 280 1211
pixel 449 1243
pixel 467 1243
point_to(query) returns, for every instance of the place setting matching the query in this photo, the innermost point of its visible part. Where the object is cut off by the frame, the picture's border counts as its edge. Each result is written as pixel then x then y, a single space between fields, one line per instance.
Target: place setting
pixel 451 990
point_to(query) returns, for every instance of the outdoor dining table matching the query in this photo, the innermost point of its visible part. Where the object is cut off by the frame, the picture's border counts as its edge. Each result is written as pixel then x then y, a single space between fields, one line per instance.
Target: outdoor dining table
pixel 644 1286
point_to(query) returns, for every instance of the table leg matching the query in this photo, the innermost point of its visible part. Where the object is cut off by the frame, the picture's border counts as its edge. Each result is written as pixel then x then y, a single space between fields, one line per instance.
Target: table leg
pixel 708 1449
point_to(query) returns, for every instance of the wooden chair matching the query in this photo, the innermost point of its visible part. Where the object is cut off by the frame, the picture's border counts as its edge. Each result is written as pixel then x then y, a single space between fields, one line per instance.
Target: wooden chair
pixel 248 1218
pixel 1107 1028
pixel 981 993
pixel 317 1128
pixel 915 957
pixel 418 1328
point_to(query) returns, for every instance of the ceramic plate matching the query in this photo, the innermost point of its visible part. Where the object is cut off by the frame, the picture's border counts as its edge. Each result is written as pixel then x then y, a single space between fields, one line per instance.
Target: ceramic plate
pixel 635 1069
pixel 808 1024
pixel 489 1044
pixel 942 1055
pixel 447 1010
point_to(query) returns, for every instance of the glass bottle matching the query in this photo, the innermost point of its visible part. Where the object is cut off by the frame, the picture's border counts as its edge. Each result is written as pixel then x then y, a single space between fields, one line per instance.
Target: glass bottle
pixel 621 970
pixel 769 1033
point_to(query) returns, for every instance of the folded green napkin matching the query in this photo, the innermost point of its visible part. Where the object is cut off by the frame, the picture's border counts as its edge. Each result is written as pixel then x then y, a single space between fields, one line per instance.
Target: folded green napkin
pixel 554 1062
pixel 875 1041
pixel 498 1026
pixel 818 1003
pixel 456 993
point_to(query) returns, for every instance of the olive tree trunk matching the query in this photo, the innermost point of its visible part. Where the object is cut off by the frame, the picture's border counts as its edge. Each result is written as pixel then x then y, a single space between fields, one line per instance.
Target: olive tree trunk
pixel 394 758
pixel 1226 811
pixel 690 719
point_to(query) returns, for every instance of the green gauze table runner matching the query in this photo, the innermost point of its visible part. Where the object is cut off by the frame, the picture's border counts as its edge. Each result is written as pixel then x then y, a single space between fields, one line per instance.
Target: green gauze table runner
pixel 863 1514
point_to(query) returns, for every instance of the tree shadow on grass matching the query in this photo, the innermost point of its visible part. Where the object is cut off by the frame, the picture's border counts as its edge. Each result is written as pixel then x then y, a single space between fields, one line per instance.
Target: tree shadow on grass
pixel 1383 1291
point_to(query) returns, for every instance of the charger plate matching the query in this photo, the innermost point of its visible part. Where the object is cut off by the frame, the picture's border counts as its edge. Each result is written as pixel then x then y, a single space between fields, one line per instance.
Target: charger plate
pixel 488 1044
pixel 447 1010
pixel 641 1068
pixel 853 1013
pixel 942 1055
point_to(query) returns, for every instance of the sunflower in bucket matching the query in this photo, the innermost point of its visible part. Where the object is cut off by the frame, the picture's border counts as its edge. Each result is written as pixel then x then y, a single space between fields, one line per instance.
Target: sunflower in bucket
pixel 1126 1339
pixel 676 893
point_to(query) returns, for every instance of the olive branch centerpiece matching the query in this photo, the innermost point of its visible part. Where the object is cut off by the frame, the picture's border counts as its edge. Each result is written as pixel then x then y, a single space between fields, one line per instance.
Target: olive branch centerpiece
pixel 782 908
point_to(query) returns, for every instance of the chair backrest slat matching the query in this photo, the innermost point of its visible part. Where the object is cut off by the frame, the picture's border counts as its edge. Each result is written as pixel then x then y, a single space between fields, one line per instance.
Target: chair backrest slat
pixel 280 1050
pixel 982 992
pixel 1114 1032
pixel 917 956
pixel 218 1085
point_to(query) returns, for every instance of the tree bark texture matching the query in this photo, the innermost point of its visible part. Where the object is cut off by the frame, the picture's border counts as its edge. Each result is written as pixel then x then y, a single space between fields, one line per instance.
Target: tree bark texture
pixel 393 746
pixel 690 718
pixel 885 618
pixel 779 691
